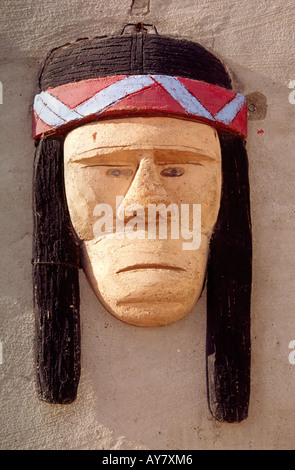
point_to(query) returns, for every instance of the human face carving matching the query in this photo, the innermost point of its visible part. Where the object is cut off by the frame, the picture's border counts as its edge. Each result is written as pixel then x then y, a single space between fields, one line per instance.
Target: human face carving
pixel 149 161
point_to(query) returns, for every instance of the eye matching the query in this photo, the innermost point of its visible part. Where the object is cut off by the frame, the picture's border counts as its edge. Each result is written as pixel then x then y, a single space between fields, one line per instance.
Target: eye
pixel 119 172
pixel 173 171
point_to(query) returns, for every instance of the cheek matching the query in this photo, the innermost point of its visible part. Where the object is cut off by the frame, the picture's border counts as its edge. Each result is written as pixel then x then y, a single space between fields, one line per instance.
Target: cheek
pixel 85 189
pixel 81 199
pixel 199 185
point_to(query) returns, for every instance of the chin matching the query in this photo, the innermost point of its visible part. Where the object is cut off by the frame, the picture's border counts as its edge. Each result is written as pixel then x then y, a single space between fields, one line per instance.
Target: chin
pixel 150 314
pixel 161 305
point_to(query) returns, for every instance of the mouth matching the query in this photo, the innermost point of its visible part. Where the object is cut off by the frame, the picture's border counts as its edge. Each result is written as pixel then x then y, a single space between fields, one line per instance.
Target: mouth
pixel 138 267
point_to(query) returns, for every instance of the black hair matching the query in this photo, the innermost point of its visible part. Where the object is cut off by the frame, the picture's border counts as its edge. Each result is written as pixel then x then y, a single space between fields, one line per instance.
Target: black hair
pixel 56 250
pixel 229 282
pixel 56 281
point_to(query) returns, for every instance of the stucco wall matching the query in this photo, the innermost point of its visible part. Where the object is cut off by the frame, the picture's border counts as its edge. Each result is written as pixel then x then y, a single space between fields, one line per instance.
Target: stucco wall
pixel 146 388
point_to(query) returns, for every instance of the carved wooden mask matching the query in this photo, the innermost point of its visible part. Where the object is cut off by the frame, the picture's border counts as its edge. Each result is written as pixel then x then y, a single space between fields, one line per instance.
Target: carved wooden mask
pixel 154 121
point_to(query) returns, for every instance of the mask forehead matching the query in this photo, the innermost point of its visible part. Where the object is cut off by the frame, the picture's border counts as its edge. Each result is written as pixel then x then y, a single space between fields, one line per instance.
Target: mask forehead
pixel 143 133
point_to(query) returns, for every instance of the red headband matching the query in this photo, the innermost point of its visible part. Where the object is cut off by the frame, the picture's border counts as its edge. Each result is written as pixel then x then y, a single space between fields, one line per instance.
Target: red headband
pixel 62 107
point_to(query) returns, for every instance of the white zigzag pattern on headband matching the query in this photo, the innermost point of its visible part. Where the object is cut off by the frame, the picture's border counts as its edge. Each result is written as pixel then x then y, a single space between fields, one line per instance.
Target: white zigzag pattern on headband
pixel 55 113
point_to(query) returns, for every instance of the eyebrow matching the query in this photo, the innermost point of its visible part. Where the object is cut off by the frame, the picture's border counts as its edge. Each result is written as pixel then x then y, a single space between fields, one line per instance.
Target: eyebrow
pixel 109 151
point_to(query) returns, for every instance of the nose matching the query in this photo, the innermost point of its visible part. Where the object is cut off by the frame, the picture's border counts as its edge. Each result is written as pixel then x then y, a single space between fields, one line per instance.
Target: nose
pixel 145 189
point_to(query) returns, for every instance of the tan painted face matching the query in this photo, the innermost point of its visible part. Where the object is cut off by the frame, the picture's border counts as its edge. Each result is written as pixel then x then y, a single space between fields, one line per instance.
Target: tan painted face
pixel 145 256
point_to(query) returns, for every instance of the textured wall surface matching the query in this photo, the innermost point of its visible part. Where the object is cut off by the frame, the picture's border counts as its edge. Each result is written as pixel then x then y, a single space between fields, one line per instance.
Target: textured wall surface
pixel 146 388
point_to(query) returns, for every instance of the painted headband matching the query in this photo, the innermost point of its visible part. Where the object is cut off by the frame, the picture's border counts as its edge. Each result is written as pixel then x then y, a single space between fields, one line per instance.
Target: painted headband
pixel 59 108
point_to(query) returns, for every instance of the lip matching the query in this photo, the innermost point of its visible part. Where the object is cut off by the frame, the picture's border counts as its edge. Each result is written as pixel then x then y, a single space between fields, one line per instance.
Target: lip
pixel 146 266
